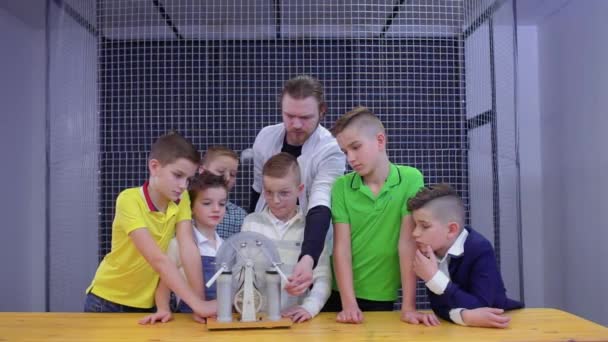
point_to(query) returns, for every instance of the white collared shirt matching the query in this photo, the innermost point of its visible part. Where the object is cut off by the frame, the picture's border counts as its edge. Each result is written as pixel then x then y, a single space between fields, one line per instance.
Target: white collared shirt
pixel 321 163
pixel 205 247
pixel 441 279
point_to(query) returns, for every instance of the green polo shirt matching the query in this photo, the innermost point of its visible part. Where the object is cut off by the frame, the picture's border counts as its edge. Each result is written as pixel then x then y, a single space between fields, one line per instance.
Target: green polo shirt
pixel 375 223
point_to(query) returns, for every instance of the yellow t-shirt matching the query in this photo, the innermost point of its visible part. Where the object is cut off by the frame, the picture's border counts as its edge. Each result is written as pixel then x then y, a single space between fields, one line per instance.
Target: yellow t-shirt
pixel 124 276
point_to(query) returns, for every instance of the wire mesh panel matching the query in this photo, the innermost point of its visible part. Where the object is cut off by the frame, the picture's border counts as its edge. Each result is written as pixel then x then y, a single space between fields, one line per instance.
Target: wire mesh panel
pixel 493 163
pixel 213 70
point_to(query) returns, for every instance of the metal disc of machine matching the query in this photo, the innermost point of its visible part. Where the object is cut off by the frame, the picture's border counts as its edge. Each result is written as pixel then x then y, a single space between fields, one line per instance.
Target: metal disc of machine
pixel 234 254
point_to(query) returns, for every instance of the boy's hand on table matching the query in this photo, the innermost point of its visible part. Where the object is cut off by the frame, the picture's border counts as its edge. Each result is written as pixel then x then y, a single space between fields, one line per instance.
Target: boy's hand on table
pixel 415 317
pixel 350 315
pixel 199 319
pixel 162 316
pixel 485 318
pixel 204 309
pixel 301 277
pixel 297 314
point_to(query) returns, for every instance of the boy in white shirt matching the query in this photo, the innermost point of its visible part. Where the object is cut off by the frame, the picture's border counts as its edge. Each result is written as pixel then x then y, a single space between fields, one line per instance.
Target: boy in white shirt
pixel 208 194
pixel 282 221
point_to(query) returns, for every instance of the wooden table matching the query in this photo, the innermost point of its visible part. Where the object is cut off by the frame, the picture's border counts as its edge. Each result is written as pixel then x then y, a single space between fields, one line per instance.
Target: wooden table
pixel 526 325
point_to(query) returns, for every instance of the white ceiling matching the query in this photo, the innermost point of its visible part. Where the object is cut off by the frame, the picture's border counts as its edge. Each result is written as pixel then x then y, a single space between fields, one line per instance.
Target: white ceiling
pixel 221 19
pixel 533 12
pixel 217 19
pixel 31 12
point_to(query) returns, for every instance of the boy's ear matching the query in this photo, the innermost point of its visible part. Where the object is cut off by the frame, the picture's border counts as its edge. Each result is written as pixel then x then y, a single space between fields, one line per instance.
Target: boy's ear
pixel 381 139
pixel 153 166
pixel 453 229
pixel 300 189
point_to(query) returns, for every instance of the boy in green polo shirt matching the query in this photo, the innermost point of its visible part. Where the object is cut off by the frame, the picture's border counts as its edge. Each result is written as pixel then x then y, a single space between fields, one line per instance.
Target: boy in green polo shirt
pixel 146 219
pixel 372 227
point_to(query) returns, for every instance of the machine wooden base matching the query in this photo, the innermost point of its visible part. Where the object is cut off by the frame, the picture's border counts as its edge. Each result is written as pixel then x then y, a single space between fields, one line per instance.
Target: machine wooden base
pixel 213 324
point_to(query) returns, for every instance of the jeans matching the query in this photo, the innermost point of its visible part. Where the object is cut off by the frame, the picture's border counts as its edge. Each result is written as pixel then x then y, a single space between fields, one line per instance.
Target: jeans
pixel 208 264
pixel 94 303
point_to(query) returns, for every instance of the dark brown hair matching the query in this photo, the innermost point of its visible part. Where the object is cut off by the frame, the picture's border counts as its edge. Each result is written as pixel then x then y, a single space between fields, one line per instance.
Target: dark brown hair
pixel 204 181
pixel 303 86
pixel 173 146
pixel 451 209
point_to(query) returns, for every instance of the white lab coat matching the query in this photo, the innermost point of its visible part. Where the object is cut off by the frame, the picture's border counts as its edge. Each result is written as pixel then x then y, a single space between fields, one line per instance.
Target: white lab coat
pixel 321 163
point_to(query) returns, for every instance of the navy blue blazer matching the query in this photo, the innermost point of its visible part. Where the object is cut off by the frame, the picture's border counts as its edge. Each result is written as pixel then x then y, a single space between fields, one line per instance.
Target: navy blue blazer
pixel 475 280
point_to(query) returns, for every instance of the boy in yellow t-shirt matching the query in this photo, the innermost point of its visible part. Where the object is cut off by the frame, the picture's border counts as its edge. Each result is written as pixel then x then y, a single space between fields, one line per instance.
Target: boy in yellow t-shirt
pixel 146 219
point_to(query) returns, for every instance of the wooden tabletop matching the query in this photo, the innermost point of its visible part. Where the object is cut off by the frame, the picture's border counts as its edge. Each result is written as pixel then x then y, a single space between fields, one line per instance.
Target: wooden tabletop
pixel 526 325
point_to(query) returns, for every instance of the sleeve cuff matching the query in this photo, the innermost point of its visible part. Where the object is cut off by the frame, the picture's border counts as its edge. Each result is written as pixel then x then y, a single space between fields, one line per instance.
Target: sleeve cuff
pixel 438 283
pixel 311 309
pixel 456 316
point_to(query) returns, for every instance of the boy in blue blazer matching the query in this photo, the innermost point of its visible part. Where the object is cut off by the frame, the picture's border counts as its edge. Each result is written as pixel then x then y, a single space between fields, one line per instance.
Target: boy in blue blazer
pixel 457 264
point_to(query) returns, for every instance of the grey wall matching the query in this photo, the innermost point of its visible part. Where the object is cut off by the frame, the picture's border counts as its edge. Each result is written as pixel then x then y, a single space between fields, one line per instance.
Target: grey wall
pixel 534 239
pixel 22 147
pixel 73 158
pixel 504 77
pixel 573 102
pixel 565 241
pixel 32 265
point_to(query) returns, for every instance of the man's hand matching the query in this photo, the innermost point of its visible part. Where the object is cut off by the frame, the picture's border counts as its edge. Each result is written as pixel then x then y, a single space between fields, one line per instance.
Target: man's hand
pixel 301 278
pixel 485 317
pixel 415 317
pixel 425 267
pixel 162 316
pixel 350 315
pixel 297 314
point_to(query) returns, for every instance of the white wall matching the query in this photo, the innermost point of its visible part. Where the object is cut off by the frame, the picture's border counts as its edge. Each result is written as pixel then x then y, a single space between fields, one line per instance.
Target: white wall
pixel 506 156
pixel 536 291
pixel 40 273
pixel 573 83
pixel 73 177
pixel 22 179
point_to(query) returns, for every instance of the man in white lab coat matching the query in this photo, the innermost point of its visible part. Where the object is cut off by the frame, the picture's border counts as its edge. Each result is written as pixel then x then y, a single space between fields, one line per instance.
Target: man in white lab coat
pixel 321 162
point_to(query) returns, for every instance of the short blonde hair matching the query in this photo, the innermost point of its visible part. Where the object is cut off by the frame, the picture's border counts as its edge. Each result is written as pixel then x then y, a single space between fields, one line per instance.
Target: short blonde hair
pixel 360 116
pixel 281 165
pixel 214 152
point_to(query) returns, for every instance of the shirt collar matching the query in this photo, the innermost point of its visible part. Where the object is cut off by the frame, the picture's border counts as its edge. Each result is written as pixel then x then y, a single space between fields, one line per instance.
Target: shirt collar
pixel 278 222
pixel 202 239
pixel 148 199
pixel 457 248
pixel 393 178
